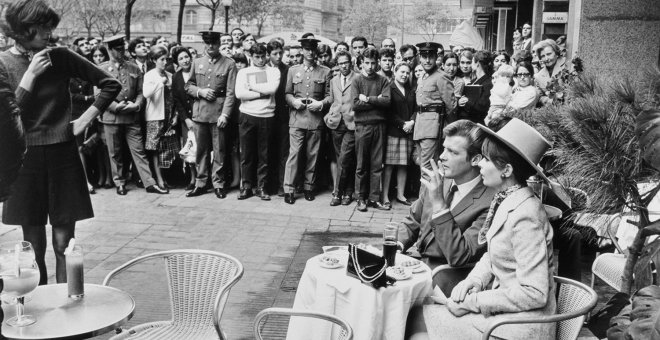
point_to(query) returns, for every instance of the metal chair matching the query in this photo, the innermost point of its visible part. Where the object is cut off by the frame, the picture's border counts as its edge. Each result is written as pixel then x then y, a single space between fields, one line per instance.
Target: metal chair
pixel 261 320
pixel 446 276
pixel 199 282
pixel 574 301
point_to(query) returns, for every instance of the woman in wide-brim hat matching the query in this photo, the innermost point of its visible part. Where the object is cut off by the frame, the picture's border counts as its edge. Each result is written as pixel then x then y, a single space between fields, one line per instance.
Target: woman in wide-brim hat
pixel 518 262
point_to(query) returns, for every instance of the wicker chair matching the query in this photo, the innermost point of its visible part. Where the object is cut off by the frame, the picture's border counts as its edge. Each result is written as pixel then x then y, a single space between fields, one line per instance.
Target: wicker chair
pixel 199 282
pixel 574 301
pixel 262 318
pixel 609 266
pixel 446 276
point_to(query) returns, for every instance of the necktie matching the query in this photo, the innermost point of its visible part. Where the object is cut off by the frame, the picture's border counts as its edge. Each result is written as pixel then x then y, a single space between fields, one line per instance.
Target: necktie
pixel 450 195
pixel 144 69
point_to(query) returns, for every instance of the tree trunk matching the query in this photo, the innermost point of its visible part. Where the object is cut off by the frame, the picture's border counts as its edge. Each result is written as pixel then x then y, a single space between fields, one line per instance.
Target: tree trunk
pixel 212 19
pixel 638 243
pixel 179 23
pixel 127 18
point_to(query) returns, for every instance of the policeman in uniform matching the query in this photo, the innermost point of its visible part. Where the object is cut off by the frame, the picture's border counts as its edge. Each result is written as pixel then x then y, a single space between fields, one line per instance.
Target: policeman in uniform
pixel 122 121
pixel 212 87
pixel 307 87
pixel 435 98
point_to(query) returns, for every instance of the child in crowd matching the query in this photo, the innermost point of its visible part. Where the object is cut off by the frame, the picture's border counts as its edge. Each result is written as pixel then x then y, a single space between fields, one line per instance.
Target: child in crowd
pixel 500 95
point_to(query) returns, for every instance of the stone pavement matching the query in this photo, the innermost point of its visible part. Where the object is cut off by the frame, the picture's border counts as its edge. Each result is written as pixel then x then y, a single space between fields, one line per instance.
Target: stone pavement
pixel 267 237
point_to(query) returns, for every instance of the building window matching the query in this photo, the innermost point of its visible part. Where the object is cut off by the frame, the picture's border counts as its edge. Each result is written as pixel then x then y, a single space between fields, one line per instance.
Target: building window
pixel 191 17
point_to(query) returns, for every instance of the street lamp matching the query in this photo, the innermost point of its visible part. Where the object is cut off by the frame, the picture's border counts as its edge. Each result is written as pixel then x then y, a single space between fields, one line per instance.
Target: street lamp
pixel 227 4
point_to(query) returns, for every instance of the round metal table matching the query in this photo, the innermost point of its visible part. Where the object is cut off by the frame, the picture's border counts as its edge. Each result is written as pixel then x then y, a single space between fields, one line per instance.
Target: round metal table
pixel 101 310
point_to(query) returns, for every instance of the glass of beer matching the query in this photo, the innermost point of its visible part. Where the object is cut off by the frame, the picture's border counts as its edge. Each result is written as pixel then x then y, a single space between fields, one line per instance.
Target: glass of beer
pixel 74 273
pixel 390 237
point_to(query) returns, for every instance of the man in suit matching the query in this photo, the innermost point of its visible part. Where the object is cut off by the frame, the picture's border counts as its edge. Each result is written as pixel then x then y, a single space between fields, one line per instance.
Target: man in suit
pixel 444 222
pixel 341 120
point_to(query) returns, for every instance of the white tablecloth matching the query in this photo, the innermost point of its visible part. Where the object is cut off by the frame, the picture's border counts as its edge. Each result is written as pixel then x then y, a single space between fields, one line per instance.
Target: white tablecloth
pixel 373 314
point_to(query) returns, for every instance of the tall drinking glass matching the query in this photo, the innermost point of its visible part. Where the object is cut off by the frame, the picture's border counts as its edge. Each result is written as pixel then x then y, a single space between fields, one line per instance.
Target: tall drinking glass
pixel 390 237
pixel 20 274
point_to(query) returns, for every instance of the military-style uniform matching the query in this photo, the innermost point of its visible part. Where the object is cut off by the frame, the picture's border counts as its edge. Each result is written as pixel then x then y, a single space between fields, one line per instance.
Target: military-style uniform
pixel 126 126
pixel 218 74
pixel 435 98
pixel 305 126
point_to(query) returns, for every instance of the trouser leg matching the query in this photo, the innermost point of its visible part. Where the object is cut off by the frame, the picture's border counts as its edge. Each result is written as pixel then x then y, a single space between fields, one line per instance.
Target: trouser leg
pixel 313 139
pixel 296 140
pixel 114 137
pixel 362 143
pixel 265 129
pixel 135 142
pixel 283 139
pixel 202 157
pixel 427 150
pixel 337 138
pixel 247 132
pixel 219 154
pixel 376 168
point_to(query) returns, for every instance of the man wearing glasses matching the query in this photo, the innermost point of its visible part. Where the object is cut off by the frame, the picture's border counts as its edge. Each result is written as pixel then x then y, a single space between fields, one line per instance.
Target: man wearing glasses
pixel 212 86
pixel 409 55
pixel 122 121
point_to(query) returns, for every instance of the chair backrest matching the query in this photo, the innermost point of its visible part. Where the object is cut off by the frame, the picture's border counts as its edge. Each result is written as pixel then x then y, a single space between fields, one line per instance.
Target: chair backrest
pixel 260 322
pixel 573 299
pixel 199 282
pixel 446 276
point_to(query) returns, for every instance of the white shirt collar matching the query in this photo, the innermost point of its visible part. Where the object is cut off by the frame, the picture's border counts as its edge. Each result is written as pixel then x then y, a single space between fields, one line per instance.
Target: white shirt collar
pixel 465 188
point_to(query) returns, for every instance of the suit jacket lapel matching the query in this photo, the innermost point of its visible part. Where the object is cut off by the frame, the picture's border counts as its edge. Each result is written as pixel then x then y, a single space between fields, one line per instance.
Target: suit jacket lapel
pixel 349 80
pixel 509 204
pixel 468 199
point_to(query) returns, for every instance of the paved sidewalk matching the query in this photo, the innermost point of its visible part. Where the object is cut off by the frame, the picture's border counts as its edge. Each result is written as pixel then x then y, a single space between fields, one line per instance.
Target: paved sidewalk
pixel 271 239
pixel 264 236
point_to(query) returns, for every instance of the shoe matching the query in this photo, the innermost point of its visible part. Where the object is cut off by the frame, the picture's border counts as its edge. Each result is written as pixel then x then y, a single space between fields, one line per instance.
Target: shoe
pixel 261 193
pixel 244 194
pixel 289 198
pixel 404 202
pixel 361 205
pixel 190 186
pixel 196 192
pixel 309 195
pixel 280 192
pixel 139 184
pixel 335 201
pixel 378 205
pixel 121 190
pixel 388 205
pixel 156 189
pixel 220 193
pixel 90 188
pixel 347 199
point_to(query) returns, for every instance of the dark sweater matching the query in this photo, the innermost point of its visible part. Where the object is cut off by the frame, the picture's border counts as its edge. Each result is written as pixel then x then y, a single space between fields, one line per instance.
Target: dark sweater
pixel 46 111
pixel 401 110
pixel 377 88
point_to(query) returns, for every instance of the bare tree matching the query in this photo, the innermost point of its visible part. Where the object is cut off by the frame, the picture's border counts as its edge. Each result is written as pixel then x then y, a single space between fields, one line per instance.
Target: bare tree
pixel 110 18
pixel 179 22
pixel 369 18
pixel 212 5
pixel 85 13
pixel 431 21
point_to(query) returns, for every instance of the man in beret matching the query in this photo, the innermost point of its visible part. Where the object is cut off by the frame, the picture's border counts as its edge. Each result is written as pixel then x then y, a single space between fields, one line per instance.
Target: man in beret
pixel 307 88
pixel 435 98
pixel 122 118
pixel 212 85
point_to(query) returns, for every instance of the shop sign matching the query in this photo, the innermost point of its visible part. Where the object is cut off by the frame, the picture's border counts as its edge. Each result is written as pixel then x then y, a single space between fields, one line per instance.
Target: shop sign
pixel 189 38
pixel 555 17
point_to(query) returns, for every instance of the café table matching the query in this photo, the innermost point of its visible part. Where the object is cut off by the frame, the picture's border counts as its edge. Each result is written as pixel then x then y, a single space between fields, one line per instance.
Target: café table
pixel 101 310
pixel 374 314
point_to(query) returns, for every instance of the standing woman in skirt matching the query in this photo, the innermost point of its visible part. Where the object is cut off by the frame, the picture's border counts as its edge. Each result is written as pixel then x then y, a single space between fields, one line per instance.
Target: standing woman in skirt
pixel 399 134
pixel 161 117
pixel 51 186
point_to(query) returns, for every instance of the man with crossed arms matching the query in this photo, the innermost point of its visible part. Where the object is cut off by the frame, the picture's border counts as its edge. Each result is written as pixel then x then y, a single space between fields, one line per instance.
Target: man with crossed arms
pixel 444 222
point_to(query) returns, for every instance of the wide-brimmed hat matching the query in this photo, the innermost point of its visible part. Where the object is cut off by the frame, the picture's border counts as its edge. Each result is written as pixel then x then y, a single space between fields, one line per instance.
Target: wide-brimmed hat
pixel 523 140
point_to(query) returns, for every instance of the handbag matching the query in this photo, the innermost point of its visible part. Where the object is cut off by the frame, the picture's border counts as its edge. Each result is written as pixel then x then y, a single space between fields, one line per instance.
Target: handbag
pixel 189 150
pixel 367 267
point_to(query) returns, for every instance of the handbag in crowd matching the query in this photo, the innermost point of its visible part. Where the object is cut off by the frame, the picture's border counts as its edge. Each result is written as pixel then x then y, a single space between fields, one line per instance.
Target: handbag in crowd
pixel 189 150
pixel 367 267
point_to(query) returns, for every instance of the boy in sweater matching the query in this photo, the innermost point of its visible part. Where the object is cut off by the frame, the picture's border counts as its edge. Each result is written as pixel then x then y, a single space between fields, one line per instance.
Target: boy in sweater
pixel 371 99
pixel 255 87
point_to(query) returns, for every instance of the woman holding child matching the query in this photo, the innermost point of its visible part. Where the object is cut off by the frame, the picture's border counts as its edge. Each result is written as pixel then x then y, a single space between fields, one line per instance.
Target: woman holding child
pixel 519 258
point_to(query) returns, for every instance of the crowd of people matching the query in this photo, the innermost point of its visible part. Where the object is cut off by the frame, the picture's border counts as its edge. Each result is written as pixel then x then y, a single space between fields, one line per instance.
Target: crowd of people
pixel 271 116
